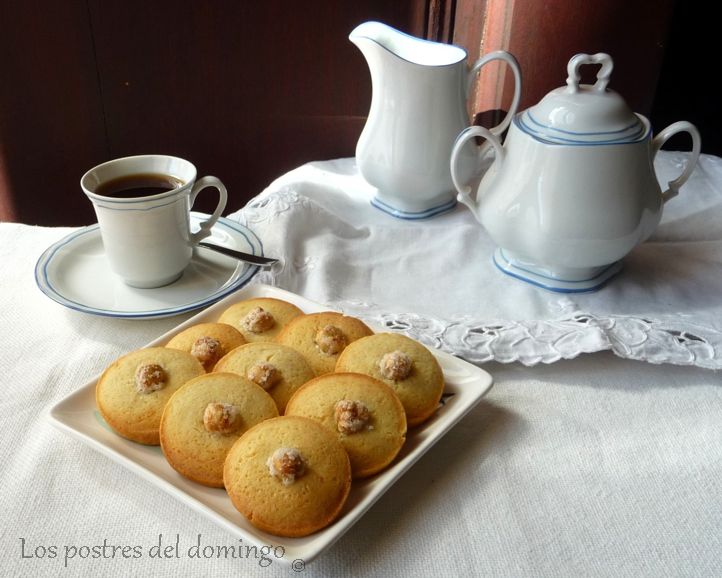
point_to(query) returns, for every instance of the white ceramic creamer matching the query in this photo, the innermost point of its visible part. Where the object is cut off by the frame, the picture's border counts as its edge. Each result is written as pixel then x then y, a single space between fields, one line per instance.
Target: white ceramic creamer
pixel 573 188
pixel 418 107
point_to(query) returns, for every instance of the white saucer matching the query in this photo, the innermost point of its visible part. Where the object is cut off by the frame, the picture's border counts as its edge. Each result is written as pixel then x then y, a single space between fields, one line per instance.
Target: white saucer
pixel 75 273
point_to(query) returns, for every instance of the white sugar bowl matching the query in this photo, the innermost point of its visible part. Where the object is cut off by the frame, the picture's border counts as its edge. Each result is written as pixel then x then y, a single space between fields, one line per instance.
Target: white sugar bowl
pixel 573 189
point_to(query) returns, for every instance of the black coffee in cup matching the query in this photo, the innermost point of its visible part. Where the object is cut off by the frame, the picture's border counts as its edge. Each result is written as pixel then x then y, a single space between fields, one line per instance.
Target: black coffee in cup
pixel 138 186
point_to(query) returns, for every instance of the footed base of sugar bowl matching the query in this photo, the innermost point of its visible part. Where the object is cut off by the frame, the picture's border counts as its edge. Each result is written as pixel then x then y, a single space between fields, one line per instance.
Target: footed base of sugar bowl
pixel 557 279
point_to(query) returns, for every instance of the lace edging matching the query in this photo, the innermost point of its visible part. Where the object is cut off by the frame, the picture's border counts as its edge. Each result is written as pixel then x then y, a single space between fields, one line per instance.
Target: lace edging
pixel 547 341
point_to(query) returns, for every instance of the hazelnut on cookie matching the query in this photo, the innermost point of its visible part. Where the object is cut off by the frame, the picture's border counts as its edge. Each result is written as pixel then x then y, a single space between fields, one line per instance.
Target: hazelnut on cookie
pixel 288 476
pixel 322 337
pixel 403 364
pixel 133 391
pixel 362 412
pixel 260 318
pixel 207 342
pixel 278 369
pixel 203 420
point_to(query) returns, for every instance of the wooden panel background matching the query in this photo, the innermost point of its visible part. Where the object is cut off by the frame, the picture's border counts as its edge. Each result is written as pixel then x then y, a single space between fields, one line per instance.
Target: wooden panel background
pixel 632 33
pixel 545 35
pixel 245 90
pixel 249 90
pixel 687 88
pixel 51 119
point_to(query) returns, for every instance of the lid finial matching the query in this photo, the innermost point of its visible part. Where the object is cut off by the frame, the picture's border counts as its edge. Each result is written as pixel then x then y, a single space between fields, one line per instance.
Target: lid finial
pixel 602 76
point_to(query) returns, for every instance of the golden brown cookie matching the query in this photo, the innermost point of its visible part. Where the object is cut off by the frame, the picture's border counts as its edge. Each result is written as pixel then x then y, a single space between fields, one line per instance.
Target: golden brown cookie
pixel 132 392
pixel 208 342
pixel 278 369
pixel 364 413
pixel 289 476
pixel 204 418
pixel 260 318
pixel 402 363
pixel 321 337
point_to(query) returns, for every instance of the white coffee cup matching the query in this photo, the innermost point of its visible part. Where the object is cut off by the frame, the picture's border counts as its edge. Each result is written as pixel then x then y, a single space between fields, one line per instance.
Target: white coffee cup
pixel 147 239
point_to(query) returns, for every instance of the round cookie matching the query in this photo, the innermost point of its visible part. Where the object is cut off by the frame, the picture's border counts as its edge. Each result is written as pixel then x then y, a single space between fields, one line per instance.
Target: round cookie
pixel 289 476
pixel 261 318
pixel 207 341
pixel 402 363
pixel 205 417
pixel 321 337
pixel 132 392
pixel 364 413
pixel 278 369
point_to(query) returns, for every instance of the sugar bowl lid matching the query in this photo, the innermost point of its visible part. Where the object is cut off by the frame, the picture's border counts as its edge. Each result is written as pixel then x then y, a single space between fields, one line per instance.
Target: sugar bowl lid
pixel 583 114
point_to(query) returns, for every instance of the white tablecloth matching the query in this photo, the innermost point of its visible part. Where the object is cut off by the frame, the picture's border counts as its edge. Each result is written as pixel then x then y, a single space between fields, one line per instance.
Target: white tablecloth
pixel 595 466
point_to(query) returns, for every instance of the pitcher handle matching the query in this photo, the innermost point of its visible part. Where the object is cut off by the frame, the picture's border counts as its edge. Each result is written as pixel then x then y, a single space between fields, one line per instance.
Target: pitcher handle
pixel 466 195
pixel 514 64
pixel 659 140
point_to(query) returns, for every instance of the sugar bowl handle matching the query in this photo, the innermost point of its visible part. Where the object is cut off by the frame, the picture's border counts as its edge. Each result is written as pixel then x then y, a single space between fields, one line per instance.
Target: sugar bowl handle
pixel 602 76
pixel 467 195
pixel 659 140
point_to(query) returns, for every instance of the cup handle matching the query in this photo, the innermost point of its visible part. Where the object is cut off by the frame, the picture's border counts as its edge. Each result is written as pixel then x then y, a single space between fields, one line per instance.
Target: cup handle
pixel 466 195
pixel 223 198
pixel 659 140
pixel 514 64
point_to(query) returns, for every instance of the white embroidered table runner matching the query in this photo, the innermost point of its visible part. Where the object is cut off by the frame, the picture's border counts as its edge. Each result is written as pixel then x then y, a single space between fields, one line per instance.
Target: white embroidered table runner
pixel 435 280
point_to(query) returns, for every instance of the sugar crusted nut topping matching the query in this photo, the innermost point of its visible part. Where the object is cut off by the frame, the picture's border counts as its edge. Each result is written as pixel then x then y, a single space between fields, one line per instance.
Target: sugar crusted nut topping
pixel 207 350
pixel 330 340
pixel 220 417
pixel 395 365
pixel 351 416
pixel 258 320
pixel 264 374
pixel 150 377
pixel 286 464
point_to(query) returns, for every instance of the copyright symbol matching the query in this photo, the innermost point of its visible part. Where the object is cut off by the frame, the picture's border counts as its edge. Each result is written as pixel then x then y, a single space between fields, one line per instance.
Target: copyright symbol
pixel 298 565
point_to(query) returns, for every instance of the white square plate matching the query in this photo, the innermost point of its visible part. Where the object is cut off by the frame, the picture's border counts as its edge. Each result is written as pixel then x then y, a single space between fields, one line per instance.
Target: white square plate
pixel 77 415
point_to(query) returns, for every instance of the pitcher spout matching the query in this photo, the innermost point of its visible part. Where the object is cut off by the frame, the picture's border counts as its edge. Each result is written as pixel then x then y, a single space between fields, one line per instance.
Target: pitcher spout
pixel 368 30
pixel 372 37
pixel 369 38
